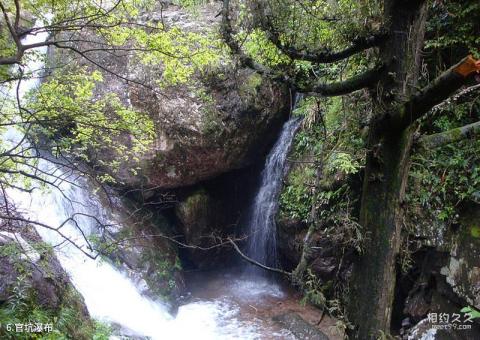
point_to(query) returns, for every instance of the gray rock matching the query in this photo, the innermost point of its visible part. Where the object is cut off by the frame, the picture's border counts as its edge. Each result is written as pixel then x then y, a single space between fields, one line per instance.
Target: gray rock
pixel 299 327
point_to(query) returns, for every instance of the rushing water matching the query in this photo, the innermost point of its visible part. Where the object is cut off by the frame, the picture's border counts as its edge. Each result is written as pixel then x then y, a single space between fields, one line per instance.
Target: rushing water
pixel 262 230
pixel 112 297
pixel 109 294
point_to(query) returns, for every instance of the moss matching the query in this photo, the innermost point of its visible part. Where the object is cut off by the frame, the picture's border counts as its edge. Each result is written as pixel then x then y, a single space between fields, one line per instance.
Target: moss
pixel 296 198
pixel 251 85
pixel 475 231
pixel 196 198
pixel 69 321
pixel 161 279
pixel 211 121
pixel 40 294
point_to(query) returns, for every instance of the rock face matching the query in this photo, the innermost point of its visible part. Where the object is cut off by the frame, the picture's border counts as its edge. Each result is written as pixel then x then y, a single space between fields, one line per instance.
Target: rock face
pixel 211 211
pixel 299 327
pixel 442 274
pixel 137 244
pixel 196 140
pixel 35 288
pixel 223 118
pixel 448 278
pixel 462 272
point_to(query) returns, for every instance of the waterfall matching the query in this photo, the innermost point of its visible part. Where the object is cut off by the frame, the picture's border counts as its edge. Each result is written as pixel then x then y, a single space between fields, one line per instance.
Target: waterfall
pixel 262 230
pixel 109 294
pixel 106 291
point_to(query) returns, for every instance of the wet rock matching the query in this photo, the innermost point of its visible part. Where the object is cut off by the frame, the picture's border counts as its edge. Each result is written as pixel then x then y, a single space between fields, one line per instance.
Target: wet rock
pixel 299 327
pixel 194 213
pixel 324 266
pixel 135 247
pixel 290 240
pixel 424 330
pixel 462 272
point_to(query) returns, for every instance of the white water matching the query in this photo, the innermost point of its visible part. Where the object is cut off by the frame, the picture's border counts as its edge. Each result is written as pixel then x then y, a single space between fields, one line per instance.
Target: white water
pixel 109 294
pixel 262 230
pixel 112 297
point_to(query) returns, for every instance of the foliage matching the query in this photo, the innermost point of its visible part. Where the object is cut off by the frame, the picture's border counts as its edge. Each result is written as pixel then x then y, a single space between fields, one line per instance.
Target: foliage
pixel 179 53
pixel 23 307
pixel 313 293
pixel 343 162
pixel 328 144
pixel 70 109
pixel 445 177
pixel 296 198
pixel 474 314
pixel 67 112
pixel 322 23
pixel 454 26
pixel 258 46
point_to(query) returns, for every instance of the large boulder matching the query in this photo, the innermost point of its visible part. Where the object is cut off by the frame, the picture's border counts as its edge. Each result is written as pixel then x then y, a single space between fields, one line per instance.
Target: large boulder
pixel 138 241
pixel 299 327
pixel 198 140
pixel 223 118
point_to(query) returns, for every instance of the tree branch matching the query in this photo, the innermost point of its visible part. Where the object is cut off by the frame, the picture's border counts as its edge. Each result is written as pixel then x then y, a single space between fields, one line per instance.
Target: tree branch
pixel 436 92
pixel 447 137
pixel 353 84
pixel 258 264
pixel 469 94
pixel 228 36
pixel 350 85
pixel 325 56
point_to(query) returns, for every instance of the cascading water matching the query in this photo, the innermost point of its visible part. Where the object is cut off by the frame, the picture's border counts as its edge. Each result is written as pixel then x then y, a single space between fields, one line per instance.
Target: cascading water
pixel 262 231
pixel 109 294
pixel 100 284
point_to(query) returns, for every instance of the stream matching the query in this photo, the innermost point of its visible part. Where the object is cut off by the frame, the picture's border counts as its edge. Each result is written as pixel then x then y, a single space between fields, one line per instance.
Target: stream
pixel 223 305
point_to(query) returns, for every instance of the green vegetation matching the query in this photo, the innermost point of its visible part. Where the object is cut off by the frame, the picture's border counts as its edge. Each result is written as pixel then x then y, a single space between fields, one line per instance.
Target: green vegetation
pixel 71 108
pixel 475 314
pixel 377 79
pixel 67 323
pixel 445 177
pixel 25 307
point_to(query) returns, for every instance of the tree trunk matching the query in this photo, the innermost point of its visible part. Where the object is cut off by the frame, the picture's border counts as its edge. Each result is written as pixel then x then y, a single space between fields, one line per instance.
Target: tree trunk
pixel 381 216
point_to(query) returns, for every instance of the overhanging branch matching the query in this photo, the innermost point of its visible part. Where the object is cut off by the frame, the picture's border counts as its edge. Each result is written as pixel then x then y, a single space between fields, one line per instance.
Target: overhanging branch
pixel 325 56
pixel 451 136
pixel 350 85
pixel 436 92
pixel 256 263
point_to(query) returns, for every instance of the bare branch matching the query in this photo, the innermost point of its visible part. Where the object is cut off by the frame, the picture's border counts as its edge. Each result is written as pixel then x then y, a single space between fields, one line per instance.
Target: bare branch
pixel 57 230
pixel 256 263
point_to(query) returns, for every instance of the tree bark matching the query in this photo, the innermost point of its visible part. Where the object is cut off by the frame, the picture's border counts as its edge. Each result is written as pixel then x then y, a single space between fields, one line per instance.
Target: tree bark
pixel 388 160
pixel 451 136
pixel 373 284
